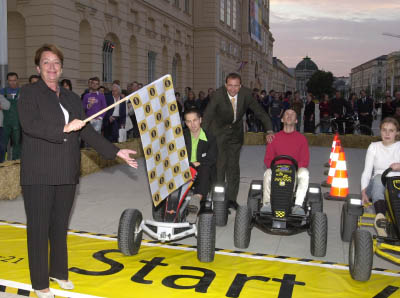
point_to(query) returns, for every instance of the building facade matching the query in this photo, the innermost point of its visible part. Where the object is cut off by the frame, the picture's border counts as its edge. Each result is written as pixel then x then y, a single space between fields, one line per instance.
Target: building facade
pixel 392 72
pixel 370 76
pixel 197 42
pixel 283 80
pixel 303 72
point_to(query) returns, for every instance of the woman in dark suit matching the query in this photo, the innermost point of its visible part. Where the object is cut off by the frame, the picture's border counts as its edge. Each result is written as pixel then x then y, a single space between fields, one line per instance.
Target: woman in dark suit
pixel 51 120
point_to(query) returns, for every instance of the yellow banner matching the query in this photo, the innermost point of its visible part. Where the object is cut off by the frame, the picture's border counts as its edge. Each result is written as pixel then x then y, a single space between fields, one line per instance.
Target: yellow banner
pixel 98 269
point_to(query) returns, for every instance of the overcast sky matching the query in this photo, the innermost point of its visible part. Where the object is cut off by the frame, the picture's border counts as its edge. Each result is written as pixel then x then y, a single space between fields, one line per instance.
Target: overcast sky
pixel 336 35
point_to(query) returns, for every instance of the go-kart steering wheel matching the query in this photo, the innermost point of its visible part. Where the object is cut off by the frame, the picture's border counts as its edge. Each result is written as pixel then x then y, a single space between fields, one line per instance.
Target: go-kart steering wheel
pixel 384 174
pixel 287 157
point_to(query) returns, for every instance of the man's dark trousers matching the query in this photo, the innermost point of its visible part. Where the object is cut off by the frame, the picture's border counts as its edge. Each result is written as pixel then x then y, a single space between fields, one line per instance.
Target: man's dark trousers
pixel 229 146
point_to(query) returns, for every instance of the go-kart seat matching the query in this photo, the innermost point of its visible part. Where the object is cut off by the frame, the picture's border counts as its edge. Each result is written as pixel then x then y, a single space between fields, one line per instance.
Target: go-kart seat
pixel 283 185
pixel 392 197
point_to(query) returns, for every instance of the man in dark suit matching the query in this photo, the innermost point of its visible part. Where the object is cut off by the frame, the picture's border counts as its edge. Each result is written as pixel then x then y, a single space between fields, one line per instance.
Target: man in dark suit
pixel 202 153
pixel 224 118
pixel 365 106
pixel 114 118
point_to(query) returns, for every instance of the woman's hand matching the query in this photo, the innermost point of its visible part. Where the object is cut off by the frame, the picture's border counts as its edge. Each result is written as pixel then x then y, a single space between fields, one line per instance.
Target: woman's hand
pixel 125 155
pixel 395 166
pixel 74 125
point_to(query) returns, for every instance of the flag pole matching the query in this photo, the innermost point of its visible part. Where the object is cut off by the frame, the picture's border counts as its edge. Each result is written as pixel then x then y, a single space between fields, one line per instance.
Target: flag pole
pixel 107 108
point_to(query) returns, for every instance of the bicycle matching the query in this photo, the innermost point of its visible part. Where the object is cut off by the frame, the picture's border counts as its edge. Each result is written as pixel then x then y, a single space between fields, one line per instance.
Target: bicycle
pixel 328 126
pixel 356 127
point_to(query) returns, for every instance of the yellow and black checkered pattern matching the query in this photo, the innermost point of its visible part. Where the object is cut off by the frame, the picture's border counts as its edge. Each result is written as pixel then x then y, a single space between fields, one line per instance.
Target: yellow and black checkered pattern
pixel 162 138
pixel 280 214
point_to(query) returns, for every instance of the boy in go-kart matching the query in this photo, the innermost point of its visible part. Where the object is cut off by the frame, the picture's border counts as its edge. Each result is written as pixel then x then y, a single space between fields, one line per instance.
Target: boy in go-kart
pixel 202 153
pixel 288 142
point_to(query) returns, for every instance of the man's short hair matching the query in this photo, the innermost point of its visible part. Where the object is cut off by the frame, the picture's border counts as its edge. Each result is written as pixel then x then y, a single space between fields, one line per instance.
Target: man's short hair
pixel 190 111
pixel 233 75
pixel 95 79
pixel 33 77
pixel 271 91
pixel 11 74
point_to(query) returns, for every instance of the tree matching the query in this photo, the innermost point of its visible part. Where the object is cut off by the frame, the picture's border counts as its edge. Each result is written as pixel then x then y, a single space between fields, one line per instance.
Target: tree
pixel 320 82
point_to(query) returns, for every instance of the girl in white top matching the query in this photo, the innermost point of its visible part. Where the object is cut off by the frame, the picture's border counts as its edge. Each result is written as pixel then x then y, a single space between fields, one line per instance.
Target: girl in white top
pixel 380 156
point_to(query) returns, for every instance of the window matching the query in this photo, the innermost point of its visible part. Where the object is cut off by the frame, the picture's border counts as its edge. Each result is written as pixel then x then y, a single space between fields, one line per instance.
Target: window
pixel 108 47
pixel 187 5
pixel 228 12
pixel 174 67
pixel 151 56
pixel 234 14
pixel 222 11
pixel 176 3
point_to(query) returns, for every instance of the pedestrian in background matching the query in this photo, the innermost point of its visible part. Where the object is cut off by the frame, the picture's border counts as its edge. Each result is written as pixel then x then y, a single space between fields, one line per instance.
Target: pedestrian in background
pixel 297 106
pixel 11 126
pixel 4 105
pixel 309 114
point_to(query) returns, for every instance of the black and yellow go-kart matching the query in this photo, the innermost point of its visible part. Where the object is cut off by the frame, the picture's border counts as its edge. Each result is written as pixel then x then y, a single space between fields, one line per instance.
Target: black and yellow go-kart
pixel 362 244
pixel 169 222
pixel 280 220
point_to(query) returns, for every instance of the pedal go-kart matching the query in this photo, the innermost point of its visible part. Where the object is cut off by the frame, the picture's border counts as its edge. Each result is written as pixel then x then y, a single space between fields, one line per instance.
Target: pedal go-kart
pixel 362 244
pixel 169 222
pixel 280 220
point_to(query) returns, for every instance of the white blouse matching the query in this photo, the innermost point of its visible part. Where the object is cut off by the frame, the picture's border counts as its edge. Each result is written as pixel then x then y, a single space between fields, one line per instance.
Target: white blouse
pixel 66 114
pixel 379 157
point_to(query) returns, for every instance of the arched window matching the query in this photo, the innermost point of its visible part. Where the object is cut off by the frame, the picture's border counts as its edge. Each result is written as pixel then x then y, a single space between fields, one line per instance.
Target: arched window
pixel 174 70
pixel 108 47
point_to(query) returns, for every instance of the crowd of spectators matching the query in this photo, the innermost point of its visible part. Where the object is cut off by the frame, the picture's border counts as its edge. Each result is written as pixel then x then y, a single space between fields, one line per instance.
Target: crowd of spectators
pixel 337 109
pixel 120 124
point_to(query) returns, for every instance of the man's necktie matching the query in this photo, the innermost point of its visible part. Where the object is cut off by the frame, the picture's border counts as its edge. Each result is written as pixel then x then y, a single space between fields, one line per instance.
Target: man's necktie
pixel 233 102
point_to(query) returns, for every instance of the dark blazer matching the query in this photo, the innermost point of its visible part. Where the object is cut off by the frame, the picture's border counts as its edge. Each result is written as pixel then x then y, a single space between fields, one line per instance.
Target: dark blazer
pixel 219 110
pixel 365 107
pixel 50 156
pixel 122 112
pixel 206 151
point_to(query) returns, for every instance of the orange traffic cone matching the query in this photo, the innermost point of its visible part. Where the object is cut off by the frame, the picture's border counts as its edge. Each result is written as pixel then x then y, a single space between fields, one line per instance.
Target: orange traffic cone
pixel 340 184
pixel 335 139
pixel 335 158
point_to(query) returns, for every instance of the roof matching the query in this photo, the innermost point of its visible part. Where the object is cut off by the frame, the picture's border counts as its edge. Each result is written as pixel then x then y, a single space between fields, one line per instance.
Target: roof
pixel 307 64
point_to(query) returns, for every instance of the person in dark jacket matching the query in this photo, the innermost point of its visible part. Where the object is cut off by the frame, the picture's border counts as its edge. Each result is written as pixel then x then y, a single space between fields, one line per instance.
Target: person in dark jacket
pixel 202 153
pixel 115 118
pixel 309 114
pixel 337 107
pixel 365 107
pixel 51 121
pixel 387 108
pixel 224 115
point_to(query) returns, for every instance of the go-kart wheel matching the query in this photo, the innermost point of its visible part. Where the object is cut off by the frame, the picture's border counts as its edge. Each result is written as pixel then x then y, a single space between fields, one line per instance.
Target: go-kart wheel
pixel 159 211
pixel 361 255
pixel 348 223
pixel 129 232
pixel 242 229
pixel 319 233
pixel 206 237
pixel 221 213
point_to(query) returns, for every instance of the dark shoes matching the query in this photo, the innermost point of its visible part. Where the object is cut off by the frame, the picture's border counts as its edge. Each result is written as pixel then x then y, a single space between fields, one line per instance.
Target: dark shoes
pixel 232 205
pixel 193 208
